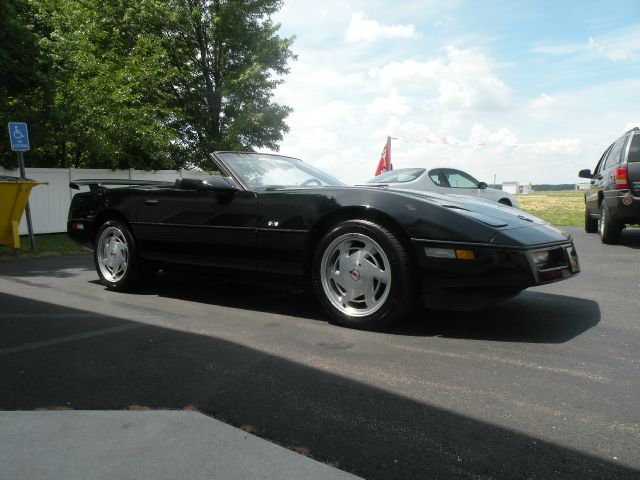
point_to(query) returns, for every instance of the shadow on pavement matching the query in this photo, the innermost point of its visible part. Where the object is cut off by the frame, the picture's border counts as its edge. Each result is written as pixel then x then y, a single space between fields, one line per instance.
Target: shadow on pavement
pixel 108 363
pixel 531 317
pixel 630 237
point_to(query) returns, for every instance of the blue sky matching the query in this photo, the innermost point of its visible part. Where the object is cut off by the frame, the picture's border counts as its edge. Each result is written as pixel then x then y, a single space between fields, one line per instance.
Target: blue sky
pixel 526 91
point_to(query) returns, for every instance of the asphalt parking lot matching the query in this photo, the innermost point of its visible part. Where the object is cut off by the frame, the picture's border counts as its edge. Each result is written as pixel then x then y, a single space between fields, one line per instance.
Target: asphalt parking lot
pixel 544 385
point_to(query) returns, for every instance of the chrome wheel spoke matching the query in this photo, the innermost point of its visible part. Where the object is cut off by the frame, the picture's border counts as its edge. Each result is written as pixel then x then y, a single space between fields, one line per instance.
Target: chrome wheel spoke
pixel 375 272
pixel 370 296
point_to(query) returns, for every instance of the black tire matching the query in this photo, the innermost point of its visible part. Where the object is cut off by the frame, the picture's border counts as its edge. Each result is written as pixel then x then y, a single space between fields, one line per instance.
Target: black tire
pixel 505 201
pixel 590 224
pixel 135 273
pixel 609 230
pixel 396 297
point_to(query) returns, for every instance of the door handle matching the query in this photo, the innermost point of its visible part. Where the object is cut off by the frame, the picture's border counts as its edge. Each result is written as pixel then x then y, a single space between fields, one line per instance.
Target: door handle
pixel 151 203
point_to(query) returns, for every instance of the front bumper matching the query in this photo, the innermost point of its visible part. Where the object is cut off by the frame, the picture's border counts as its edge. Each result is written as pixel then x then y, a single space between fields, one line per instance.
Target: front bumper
pixel 495 267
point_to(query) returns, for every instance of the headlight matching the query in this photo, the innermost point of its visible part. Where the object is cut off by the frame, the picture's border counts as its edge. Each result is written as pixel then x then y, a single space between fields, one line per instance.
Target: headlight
pixel 540 258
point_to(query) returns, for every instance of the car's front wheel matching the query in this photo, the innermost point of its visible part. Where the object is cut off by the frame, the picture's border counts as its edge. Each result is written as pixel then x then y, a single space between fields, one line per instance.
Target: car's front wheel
pixel 362 275
pixel 116 258
pixel 609 229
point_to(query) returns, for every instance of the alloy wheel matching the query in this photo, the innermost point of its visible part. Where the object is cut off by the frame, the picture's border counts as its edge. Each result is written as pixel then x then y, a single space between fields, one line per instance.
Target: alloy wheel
pixel 113 254
pixel 355 275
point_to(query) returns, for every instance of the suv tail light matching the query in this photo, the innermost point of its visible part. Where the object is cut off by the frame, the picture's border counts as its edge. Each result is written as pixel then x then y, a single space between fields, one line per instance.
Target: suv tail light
pixel 620 178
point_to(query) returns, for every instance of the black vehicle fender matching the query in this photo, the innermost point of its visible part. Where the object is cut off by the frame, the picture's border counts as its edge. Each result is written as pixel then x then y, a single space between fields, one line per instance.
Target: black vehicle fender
pixel 326 223
pixel 105 216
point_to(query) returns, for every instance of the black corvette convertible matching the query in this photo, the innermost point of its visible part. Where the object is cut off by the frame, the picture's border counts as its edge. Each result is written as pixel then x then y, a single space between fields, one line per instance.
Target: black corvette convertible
pixel 368 251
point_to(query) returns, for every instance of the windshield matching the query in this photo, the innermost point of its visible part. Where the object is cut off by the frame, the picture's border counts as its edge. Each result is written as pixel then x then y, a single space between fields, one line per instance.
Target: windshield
pixel 398 176
pixel 264 170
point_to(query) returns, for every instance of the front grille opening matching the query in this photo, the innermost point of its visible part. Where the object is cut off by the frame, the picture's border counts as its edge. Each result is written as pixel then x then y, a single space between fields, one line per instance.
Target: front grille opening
pixel 556 259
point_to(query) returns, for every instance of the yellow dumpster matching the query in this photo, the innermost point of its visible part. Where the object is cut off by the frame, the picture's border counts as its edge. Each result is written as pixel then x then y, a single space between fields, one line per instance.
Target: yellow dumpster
pixel 14 193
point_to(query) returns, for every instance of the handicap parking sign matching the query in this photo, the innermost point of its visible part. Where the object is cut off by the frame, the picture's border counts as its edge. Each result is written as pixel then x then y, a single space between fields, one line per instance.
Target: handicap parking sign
pixel 19 136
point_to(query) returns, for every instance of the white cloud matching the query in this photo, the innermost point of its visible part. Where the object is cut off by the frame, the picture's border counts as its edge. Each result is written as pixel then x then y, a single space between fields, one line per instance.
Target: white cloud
pixel 464 80
pixel 392 104
pixel 346 102
pixel 617 46
pixel 542 102
pixel 480 135
pixel 361 29
pixel 613 53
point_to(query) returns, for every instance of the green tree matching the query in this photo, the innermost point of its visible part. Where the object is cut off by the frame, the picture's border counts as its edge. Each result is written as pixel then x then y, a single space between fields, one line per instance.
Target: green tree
pixel 112 104
pixel 23 72
pixel 231 59
pixel 142 83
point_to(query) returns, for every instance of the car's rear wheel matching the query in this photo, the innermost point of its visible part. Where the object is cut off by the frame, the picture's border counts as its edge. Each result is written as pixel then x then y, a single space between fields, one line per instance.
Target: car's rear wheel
pixel 116 258
pixel 362 275
pixel 590 224
pixel 609 229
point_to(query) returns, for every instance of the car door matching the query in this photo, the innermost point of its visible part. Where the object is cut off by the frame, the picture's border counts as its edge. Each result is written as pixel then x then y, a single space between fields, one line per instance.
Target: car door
pixel 199 227
pixel 591 194
pixel 603 180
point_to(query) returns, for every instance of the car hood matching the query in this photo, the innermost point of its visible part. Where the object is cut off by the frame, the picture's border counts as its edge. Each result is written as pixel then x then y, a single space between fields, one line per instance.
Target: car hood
pixel 483 210
pixel 486 211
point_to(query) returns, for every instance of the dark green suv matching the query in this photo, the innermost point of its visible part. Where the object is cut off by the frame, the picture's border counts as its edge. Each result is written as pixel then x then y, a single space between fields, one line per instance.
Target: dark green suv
pixel 612 198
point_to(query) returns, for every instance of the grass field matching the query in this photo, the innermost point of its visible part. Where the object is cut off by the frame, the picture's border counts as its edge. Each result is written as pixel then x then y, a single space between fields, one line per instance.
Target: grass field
pixel 52 244
pixel 563 208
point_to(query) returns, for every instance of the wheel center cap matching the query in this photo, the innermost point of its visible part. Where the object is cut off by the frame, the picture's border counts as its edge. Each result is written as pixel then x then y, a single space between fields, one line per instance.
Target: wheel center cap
pixel 354 274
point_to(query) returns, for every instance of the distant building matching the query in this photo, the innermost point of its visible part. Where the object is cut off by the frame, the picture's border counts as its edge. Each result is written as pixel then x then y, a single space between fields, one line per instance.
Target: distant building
pixel 511 187
pixel 515 188
pixel 582 186
pixel 525 189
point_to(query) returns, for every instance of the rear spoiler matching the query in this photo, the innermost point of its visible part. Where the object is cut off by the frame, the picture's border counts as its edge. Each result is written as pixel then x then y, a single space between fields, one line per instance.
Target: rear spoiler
pixel 96 184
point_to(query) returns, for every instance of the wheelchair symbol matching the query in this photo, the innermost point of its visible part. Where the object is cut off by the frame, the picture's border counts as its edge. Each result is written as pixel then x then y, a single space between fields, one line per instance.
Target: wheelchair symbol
pixel 17 133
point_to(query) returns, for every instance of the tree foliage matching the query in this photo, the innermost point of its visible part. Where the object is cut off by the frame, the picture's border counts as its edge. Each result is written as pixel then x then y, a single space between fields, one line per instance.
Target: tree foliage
pixel 152 83
pixel 23 71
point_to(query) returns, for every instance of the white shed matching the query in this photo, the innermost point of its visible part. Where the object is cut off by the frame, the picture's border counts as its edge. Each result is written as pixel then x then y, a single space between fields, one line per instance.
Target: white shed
pixel 511 187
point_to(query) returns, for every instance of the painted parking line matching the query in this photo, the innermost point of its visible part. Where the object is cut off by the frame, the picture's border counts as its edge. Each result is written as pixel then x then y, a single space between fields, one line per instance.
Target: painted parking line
pixel 70 338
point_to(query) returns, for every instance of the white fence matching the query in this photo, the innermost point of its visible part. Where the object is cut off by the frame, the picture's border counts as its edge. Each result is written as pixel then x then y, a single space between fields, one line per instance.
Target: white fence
pixel 50 203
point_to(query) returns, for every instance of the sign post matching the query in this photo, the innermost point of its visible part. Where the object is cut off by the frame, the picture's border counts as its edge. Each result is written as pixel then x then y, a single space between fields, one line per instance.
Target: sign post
pixel 19 136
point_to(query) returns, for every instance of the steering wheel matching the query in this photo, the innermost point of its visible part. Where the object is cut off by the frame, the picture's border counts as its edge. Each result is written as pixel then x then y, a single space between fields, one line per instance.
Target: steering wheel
pixel 311 181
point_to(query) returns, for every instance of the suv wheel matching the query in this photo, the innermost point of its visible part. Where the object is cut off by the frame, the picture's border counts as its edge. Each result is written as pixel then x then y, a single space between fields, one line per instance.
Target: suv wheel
pixel 608 229
pixel 590 224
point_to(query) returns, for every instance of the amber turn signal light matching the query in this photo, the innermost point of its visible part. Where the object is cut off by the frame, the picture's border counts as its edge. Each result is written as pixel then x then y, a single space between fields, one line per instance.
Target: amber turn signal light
pixel 465 255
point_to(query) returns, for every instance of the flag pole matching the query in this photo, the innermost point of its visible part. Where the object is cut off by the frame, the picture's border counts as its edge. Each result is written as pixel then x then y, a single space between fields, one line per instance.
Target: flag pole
pixel 389 151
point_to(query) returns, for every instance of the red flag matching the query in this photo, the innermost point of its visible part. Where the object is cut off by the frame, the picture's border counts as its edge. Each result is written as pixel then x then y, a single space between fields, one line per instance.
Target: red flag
pixel 384 164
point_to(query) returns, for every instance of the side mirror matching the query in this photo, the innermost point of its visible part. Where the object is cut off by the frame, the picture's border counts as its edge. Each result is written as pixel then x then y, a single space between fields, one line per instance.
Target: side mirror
pixel 482 186
pixel 585 173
